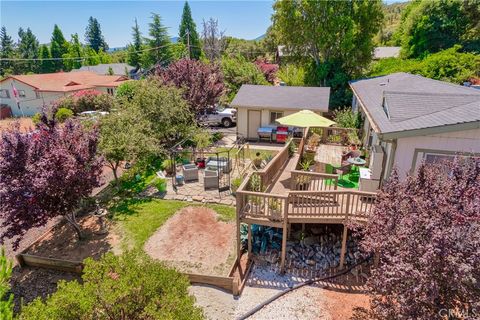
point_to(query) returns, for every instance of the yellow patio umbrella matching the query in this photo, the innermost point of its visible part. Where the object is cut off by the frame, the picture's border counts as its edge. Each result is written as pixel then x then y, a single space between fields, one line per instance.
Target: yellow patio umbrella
pixel 305 118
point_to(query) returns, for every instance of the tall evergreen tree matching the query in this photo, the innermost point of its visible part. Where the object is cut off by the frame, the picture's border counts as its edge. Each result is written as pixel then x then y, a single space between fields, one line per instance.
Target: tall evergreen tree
pixel 58 47
pixel 188 33
pixel 28 49
pixel 159 43
pixel 94 37
pixel 134 56
pixel 45 66
pixel 7 50
pixel 74 54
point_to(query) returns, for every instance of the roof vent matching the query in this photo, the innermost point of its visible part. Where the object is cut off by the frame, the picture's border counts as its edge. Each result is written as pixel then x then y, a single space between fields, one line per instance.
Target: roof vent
pixel 383 84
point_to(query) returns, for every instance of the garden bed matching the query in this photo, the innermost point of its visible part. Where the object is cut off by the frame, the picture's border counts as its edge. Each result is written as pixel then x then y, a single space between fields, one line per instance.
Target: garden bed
pixel 195 241
pixel 61 242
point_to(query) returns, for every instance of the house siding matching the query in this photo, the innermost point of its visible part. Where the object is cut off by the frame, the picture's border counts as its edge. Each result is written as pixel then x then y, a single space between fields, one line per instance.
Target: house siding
pixel 410 151
pixel 242 119
pixel 30 104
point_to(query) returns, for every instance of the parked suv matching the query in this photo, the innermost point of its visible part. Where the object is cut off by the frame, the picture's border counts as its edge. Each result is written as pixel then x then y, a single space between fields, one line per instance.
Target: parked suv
pixel 225 117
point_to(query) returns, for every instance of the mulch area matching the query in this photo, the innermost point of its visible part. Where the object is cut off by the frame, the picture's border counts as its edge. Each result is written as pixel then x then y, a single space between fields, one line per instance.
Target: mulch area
pixel 62 241
pixel 195 241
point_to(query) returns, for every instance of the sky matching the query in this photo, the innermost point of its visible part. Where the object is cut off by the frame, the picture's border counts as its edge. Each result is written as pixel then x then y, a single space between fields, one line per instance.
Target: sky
pixel 245 19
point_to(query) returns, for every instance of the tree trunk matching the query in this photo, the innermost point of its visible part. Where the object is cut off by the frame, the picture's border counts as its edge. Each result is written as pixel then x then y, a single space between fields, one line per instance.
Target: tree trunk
pixel 73 222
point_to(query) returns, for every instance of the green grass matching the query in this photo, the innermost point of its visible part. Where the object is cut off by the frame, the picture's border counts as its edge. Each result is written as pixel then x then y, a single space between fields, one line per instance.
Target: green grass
pixel 138 219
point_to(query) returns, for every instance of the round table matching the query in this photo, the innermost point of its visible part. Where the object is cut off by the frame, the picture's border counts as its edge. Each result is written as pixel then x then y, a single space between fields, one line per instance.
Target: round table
pixel 357 162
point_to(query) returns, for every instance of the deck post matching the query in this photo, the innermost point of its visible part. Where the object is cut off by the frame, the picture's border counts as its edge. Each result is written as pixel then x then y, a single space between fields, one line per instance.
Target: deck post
pixel 344 246
pixel 284 235
pixel 249 240
pixel 238 208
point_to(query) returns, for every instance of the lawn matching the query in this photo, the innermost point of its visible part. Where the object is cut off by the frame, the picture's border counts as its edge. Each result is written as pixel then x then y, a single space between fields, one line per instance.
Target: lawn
pixel 138 219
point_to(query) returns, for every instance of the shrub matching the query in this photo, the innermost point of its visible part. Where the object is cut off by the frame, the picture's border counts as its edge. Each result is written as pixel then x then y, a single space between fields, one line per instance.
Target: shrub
pixel 217 136
pixel 6 299
pixel 236 182
pixel 126 90
pixel 37 118
pixel 130 286
pixel 63 114
pixel 87 100
pixel 346 118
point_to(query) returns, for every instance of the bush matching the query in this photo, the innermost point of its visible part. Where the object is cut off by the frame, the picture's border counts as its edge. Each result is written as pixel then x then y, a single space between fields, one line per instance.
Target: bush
pixel 87 100
pixel 160 184
pixel 217 136
pixel 63 114
pixel 126 90
pixel 6 299
pixel 292 75
pixel 346 118
pixel 130 286
pixel 36 118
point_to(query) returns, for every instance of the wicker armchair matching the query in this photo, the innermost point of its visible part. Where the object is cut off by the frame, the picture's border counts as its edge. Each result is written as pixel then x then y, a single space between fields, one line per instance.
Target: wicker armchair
pixel 344 169
pixel 210 179
pixel 190 172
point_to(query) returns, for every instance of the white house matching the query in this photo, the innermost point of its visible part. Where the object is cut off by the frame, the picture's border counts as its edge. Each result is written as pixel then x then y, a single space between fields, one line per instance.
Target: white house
pixel 410 119
pixel 259 106
pixel 38 90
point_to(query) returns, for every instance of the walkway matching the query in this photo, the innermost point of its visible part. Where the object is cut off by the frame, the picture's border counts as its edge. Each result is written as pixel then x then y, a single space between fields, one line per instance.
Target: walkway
pixel 282 183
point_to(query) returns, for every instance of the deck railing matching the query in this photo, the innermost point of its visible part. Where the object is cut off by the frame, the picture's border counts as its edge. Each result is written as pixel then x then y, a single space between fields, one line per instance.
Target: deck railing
pixel 335 204
pixel 313 181
pixel 272 168
pixel 259 205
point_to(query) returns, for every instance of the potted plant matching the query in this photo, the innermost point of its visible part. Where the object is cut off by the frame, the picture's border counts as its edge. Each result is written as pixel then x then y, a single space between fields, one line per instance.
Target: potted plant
pixel 291 147
pixel 201 141
pixel 167 165
pixel 275 206
pixel 160 184
pixel 236 182
pixel 303 182
pixel 306 164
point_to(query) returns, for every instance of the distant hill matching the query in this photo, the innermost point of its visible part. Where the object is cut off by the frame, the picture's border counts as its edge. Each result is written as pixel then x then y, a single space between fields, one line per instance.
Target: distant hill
pixel 393 15
pixel 174 39
pixel 260 37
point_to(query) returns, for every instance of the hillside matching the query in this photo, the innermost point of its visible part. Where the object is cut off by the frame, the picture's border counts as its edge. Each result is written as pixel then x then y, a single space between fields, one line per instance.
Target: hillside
pixel 393 15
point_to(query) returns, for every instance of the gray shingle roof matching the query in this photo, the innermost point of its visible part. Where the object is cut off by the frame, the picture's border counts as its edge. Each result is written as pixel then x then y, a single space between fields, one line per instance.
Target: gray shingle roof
pixel 415 102
pixel 118 68
pixel 282 97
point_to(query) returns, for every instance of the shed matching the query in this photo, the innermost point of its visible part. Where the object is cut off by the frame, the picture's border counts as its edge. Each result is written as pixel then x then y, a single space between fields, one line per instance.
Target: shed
pixel 260 106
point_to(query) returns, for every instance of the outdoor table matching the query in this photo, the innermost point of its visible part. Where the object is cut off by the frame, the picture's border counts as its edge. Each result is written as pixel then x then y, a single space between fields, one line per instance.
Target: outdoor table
pixel 356 162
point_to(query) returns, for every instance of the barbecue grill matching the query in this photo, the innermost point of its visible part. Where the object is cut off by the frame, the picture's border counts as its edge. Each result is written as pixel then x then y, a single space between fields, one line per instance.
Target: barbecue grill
pixel 281 134
pixel 265 133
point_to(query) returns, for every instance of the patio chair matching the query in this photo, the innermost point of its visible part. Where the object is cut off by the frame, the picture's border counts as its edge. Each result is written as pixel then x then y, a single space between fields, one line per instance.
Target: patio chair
pixel 344 169
pixel 210 179
pixel 190 172
pixel 221 162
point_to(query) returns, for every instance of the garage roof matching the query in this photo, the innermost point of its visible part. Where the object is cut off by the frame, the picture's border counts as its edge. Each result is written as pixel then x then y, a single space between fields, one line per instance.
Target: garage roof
pixel 282 97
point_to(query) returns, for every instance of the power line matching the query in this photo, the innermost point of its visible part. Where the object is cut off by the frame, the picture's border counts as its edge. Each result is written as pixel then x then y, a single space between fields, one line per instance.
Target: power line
pixel 76 58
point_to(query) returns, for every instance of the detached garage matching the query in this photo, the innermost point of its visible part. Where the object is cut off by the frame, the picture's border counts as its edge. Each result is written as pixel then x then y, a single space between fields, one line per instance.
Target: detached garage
pixel 260 106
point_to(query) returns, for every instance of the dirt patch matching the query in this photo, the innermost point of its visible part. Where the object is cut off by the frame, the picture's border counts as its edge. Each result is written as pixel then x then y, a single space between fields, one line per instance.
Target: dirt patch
pixel 341 305
pixel 195 241
pixel 62 242
pixel 26 124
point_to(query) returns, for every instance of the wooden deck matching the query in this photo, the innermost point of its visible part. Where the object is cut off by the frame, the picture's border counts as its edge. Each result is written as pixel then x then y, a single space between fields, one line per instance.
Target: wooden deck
pixel 294 196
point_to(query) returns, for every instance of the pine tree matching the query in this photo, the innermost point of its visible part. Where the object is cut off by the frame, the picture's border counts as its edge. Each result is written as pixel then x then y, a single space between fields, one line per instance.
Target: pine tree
pixel 188 33
pixel 94 37
pixel 46 66
pixel 7 50
pixel 134 56
pixel 159 43
pixel 58 47
pixel 28 49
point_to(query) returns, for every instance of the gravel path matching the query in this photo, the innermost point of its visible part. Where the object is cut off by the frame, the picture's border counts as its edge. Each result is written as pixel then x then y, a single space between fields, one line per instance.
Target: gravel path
pixel 263 283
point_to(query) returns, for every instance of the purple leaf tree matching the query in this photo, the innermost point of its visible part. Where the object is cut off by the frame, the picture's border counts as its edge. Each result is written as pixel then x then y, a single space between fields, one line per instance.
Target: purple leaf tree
pixel 45 173
pixel 202 83
pixel 426 233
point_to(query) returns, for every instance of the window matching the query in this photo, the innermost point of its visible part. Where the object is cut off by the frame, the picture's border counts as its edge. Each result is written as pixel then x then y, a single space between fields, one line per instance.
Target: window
pixel 37 94
pixel 21 93
pixel 438 158
pixel 275 115
pixel 4 93
pixel 110 91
